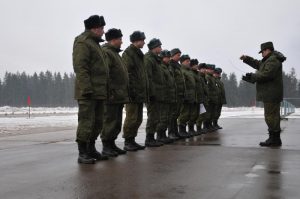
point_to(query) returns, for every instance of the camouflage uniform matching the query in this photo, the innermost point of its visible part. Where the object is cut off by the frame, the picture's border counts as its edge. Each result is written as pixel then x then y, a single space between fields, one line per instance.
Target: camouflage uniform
pixel 91 71
pixel 117 94
pixel 190 96
pixel 221 100
pixel 269 86
pixel 204 95
pixel 133 58
pixel 199 99
pixel 176 71
pixel 156 90
pixel 212 100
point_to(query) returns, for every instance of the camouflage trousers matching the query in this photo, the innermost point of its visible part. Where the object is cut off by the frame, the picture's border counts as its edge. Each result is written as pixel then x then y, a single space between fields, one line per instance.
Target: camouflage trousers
pixel 218 110
pixel 185 113
pixel 201 117
pixel 112 123
pixel 272 116
pixel 164 117
pixel 153 113
pixel 174 114
pixel 194 113
pixel 90 120
pixel 210 111
pixel 133 120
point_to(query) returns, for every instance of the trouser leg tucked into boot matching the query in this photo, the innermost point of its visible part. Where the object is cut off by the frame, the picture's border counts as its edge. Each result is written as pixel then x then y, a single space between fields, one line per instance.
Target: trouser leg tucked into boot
pixel 84 157
pixel 172 133
pixel 274 140
pixel 130 145
pixel 117 149
pixel 182 131
pixel 217 125
pixel 199 130
pixel 108 149
pixel 191 131
pixel 161 137
pixel 92 151
pixel 151 142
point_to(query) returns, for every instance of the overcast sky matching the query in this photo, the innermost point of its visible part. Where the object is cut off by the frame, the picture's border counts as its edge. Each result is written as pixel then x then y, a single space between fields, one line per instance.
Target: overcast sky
pixel 38 35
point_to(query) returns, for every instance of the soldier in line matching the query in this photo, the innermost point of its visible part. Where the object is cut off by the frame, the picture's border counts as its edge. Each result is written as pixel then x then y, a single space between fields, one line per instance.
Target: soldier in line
pixel 212 98
pixel 204 89
pixel 176 70
pixel 221 97
pixel 169 93
pixel 117 93
pixel 156 91
pixel 269 87
pixel 199 98
pixel 91 71
pixel 133 58
pixel 190 95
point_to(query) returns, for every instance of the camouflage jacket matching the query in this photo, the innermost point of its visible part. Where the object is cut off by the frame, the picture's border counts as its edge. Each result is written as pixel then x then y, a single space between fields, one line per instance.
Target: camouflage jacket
pixel 118 81
pixel 268 77
pixel 90 67
pixel 133 58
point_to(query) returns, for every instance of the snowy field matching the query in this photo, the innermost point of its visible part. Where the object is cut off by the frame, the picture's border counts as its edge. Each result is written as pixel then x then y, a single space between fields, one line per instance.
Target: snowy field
pixel 15 121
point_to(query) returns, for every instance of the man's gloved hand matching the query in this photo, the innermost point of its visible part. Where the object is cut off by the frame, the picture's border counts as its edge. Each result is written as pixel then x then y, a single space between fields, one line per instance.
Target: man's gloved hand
pixel 88 95
pixel 248 78
pixel 243 57
pixel 152 99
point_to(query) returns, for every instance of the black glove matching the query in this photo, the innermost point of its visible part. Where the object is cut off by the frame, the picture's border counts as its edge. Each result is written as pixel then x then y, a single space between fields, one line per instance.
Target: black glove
pixel 248 78
pixel 152 99
pixel 87 95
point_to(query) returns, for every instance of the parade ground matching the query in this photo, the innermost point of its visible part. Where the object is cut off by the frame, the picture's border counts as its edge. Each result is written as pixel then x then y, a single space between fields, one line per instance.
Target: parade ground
pixel 226 164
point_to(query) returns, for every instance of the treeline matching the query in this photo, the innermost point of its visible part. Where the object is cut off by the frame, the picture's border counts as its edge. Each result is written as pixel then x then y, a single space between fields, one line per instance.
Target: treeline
pixel 241 93
pixel 45 89
pixel 54 89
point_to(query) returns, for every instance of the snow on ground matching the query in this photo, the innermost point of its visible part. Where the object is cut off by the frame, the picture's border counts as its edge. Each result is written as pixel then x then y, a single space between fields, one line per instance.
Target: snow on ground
pixel 14 119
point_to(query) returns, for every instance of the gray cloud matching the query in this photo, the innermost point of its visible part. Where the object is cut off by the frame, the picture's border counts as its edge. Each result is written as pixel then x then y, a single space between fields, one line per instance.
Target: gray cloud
pixel 38 35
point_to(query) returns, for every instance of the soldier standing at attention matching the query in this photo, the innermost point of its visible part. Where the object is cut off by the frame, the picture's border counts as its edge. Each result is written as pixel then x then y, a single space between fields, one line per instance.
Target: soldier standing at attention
pixel 133 58
pixel 169 93
pixel 199 97
pixel 190 94
pixel 221 97
pixel 269 87
pixel 176 70
pixel 91 72
pixel 156 91
pixel 212 97
pixel 201 117
pixel 117 93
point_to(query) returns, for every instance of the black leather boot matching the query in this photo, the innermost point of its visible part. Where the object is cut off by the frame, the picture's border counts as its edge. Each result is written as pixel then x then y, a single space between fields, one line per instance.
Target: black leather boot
pixel 151 142
pixel 171 133
pixel 84 157
pixel 205 127
pixel 191 131
pixel 182 131
pixel 219 127
pixel 117 149
pixel 108 149
pixel 199 130
pixel 140 147
pixel 92 151
pixel 130 145
pixel 274 140
pixel 161 137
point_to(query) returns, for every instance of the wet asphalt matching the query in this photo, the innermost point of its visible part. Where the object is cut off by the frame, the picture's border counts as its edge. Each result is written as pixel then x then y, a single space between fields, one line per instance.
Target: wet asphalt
pixel 225 164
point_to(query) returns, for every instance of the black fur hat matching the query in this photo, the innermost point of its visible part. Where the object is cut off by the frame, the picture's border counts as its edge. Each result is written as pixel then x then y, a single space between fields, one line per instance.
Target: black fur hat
pixel 113 34
pixel 153 43
pixel 94 21
pixel 137 36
